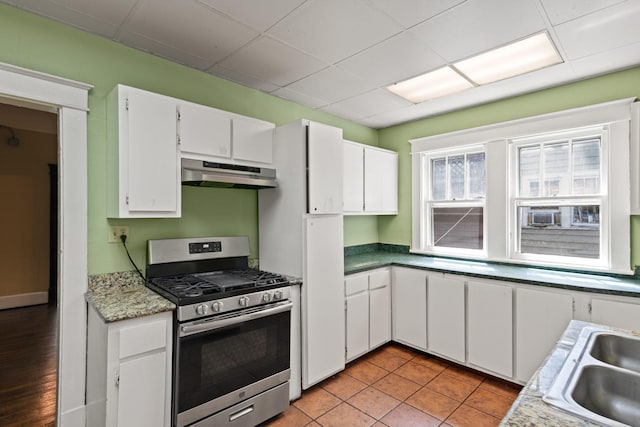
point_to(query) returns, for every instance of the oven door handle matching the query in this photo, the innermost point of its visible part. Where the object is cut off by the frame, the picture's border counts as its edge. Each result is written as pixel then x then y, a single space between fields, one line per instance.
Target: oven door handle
pixel 216 323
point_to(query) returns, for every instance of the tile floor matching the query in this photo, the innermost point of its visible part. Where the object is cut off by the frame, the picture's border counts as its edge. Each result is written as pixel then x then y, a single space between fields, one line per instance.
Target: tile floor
pixel 398 387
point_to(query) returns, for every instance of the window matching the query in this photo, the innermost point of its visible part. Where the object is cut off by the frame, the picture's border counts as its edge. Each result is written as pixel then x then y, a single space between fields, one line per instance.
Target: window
pixel 453 203
pixel 558 199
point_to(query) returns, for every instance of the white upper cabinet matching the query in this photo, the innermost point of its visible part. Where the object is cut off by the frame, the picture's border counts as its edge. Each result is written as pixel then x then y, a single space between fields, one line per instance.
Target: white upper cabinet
pixel 142 155
pixel 370 180
pixel 324 156
pixel 253 140
pixel 204 130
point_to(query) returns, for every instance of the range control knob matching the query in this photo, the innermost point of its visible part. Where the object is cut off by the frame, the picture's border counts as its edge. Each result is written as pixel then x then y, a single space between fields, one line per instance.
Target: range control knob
pixel 277 295
pixel 216 306
pixel 201 309
pixel 266 297
pixel 243 301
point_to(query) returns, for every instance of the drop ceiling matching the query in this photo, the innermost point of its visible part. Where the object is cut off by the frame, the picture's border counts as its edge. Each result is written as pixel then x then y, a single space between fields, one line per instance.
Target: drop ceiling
pixel 339 55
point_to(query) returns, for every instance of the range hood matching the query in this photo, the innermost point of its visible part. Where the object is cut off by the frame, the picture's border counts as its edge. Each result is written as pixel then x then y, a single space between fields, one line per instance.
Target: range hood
pixel 202 173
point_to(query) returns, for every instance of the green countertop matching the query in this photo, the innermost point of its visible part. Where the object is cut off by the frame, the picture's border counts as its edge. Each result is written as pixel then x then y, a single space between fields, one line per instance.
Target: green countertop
pixel 615 285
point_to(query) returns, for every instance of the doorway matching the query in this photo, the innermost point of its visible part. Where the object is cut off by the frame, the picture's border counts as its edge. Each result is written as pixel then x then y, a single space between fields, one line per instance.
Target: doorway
pixel 28 284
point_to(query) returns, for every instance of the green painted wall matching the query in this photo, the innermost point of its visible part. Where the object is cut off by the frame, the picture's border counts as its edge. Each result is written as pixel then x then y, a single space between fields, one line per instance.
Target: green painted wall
pixel 36 43
pixel 624 84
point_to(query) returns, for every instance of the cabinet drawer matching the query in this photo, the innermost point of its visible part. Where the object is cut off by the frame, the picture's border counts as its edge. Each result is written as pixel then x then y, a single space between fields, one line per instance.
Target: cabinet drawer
pixel 142 338
pixel 380 278
pixel 355 284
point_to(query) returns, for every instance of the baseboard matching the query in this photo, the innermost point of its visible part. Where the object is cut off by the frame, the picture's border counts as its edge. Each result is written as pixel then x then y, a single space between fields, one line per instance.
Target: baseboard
pixel 22 300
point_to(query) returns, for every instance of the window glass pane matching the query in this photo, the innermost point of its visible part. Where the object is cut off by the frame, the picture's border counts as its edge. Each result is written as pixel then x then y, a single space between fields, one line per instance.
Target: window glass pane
pixel 456 177
pixel 438 179
pixel 556 169
pixel 529 163
pixel 572 231
pixel 586 167
pixel 458 227
pixel 476 176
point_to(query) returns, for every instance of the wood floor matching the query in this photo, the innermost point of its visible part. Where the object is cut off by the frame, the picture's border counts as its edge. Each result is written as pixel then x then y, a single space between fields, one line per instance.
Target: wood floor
pixel 28 366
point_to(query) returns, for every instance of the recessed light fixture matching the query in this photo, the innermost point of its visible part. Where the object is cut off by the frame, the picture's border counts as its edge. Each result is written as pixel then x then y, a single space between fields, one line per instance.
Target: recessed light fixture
pixel 437 83
pixel 530 54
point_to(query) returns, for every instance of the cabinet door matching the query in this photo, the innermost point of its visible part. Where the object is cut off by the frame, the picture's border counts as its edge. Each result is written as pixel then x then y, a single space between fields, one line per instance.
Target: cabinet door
pixel 153 172
pixel 379 316
pixel 490 327
pixel 253 140
pixel 357 324
pixel 446 317
pixel 380 181
pixel 409 310
pixel 541 317
pixel 324 156
pixel 204 131
pixel 353 179
pixel 141 391
pixel 616 313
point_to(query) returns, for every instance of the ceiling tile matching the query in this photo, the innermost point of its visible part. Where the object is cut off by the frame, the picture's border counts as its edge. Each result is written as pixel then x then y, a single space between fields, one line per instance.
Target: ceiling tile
pixel 257 59
pixel 334 29
pixel 566 10
pixel 393 60
pixel 369 104
pixel 411 12
pixel 608 61
pixel 331 84
pixel 614 27
pixel 187 27
pixel 258 14
pixel 242 79
pixel 479 25
pixel 300 98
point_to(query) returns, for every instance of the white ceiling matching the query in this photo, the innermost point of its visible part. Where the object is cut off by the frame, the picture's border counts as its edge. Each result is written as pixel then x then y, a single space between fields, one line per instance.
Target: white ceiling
pixel 339 55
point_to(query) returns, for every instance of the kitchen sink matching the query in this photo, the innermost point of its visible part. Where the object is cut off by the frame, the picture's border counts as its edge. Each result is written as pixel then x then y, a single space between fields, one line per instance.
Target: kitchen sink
pixel 600 379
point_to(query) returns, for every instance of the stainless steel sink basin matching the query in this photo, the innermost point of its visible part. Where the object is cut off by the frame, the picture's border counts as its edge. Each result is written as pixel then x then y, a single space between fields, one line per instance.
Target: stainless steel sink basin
pixel 617 350
pixel 600 379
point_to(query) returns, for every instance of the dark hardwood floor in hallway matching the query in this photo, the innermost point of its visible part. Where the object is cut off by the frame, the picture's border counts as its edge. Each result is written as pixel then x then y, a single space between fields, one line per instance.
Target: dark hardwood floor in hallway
pixel 28 366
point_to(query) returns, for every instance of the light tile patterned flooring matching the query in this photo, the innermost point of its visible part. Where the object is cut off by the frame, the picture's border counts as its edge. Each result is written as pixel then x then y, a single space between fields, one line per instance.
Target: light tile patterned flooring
pixel 398 387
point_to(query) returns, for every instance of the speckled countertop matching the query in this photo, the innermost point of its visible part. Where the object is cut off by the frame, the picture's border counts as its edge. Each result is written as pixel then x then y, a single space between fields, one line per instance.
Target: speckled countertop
pixel 123 295
pixel 618 285
pixel 529 408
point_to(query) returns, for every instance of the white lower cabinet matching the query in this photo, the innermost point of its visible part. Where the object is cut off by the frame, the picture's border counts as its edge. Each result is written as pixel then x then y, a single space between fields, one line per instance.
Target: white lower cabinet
pixel 409 307
pixel 490 327
pixel 446 316
pixel 367 311
pixel 624 313
pixel 540 319
pixel 129 371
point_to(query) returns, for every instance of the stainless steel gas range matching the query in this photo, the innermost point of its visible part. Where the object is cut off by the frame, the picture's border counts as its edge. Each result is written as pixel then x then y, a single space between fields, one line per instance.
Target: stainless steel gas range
pixel 231 331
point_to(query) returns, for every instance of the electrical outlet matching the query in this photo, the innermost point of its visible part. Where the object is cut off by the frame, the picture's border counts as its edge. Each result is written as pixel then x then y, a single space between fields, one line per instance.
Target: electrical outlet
pixel 115 231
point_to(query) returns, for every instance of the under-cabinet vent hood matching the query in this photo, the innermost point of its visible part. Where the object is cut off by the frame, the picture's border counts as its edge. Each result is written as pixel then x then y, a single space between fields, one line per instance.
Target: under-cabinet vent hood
pixel 223 175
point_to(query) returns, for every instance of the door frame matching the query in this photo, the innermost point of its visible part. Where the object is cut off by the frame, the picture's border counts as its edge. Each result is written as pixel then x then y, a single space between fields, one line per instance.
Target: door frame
pixel 69 99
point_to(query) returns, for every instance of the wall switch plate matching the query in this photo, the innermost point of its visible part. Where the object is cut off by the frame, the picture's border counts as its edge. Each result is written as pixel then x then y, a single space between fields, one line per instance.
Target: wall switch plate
pixel 115 231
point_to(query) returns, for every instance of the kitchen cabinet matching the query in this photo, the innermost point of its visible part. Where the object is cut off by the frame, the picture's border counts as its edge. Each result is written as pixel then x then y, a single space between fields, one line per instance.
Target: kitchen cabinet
pixel 252 140
pixel 324 151
pixel 129 371
pixel 204 130
pixel 621 313
pixel 409 307
pixel 367 311
pixel 541 317
pixel 490 327
pixel 370 180
pixel 446 316
pixel 142 155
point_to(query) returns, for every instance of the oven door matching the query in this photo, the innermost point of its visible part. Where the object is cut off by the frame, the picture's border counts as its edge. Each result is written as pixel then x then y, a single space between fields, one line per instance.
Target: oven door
pixel 225 359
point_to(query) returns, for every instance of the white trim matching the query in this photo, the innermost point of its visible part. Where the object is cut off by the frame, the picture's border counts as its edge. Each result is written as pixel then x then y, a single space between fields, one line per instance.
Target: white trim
pixel 71 100
pixel 634 157
pixel 23 300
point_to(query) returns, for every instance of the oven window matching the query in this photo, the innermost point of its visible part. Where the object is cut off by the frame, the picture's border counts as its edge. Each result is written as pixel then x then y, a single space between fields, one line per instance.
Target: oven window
pixel 214 363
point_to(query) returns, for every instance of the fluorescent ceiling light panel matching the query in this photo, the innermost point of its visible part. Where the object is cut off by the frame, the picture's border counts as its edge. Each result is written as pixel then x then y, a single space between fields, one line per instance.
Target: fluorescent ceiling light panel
pixel 532 53
pixel 437 83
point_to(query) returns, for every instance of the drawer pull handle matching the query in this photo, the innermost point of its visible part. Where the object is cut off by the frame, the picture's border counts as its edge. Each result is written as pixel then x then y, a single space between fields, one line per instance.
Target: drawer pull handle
pixel 240 413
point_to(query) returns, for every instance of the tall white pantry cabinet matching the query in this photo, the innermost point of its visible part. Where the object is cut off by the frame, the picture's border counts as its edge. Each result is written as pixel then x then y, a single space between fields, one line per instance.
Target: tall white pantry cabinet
pixel 301 235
